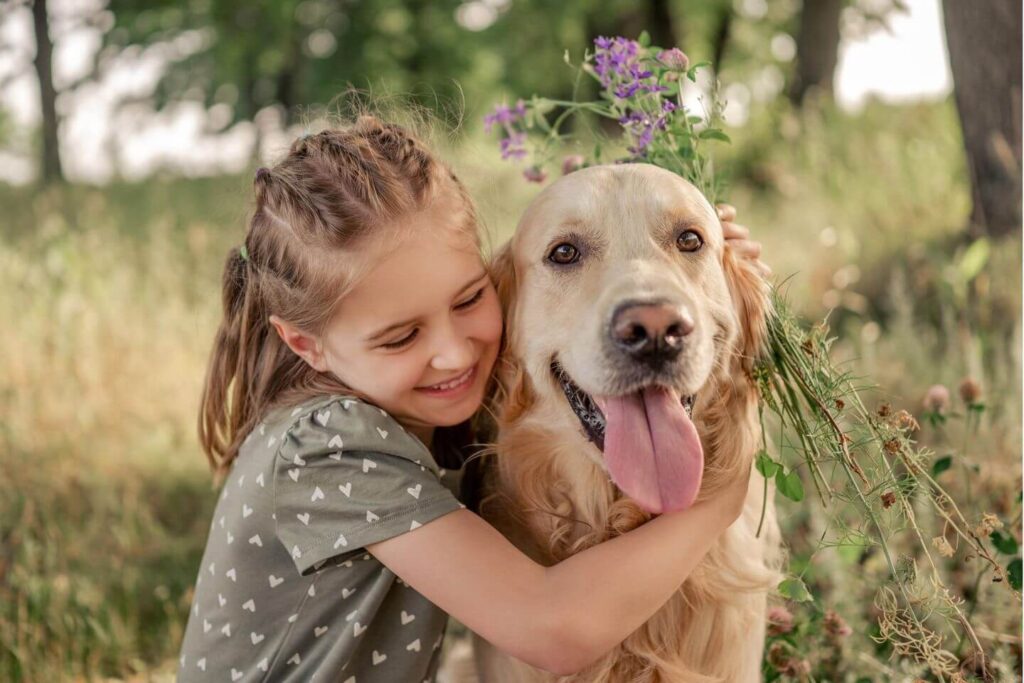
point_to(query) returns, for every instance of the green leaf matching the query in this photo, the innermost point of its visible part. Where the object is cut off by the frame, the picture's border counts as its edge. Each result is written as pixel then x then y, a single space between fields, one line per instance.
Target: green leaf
pixel 1013 570
pixel 794 589
pixel 789 485
pixel 1004 542
pixel 766 466
pixel 713 134
pixel 941 465
pixel 694 119
pixel 644 39
pixel 974 259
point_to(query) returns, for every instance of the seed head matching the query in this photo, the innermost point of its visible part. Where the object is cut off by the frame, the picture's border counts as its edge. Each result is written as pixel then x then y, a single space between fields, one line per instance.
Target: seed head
pixel 970 390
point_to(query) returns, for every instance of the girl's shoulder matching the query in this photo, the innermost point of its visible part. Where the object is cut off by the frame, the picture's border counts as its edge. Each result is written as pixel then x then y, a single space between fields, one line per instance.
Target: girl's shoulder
pixel 331 424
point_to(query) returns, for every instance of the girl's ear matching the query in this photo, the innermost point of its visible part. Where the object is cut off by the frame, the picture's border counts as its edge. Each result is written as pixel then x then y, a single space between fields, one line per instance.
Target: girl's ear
pixel 749 291
pixel 305 346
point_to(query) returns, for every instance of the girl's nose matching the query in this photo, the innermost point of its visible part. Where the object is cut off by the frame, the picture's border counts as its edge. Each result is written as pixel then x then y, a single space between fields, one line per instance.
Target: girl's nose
pixel 454 351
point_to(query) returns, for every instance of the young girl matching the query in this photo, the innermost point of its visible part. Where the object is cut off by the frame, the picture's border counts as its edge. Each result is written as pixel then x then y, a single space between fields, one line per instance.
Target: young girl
pixel 359 334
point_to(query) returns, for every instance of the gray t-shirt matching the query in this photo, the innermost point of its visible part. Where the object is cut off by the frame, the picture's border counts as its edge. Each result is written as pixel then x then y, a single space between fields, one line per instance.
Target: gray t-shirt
pixel 286 590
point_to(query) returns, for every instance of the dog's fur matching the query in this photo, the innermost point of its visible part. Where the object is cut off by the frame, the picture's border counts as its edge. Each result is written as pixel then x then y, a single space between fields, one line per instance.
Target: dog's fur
pixel 547 488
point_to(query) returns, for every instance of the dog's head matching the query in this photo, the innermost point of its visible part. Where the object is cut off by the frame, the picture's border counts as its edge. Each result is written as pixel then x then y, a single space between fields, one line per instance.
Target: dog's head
pixel 624 306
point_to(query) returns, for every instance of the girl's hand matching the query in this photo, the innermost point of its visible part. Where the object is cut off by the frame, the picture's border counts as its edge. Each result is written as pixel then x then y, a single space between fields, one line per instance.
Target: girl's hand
pixel 737 237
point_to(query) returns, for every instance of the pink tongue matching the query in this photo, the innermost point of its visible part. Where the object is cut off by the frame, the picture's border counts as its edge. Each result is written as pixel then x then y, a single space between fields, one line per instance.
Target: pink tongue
pixel 651 449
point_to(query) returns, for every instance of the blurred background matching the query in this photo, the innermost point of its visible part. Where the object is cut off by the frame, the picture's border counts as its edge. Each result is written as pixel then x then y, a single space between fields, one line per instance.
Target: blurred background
pixel 876 154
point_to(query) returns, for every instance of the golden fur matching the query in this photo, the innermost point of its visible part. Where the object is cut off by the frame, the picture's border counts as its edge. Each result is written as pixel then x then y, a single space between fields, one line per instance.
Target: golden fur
pixel 547 488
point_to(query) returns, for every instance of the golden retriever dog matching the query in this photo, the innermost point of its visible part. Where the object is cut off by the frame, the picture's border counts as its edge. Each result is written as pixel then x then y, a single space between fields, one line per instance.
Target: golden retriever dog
pixel 626 391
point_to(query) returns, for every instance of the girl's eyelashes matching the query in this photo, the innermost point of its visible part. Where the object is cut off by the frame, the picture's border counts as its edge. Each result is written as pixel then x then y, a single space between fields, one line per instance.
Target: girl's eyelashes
pixel 407 339
pixel 472 300
pixel 403 341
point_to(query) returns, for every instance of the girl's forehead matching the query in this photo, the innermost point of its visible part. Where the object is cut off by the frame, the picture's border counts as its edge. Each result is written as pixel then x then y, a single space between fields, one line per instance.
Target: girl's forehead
pixel 419 269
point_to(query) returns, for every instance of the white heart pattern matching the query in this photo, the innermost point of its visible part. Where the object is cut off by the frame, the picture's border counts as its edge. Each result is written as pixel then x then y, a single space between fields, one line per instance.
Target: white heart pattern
pixel 414 525
pixel 274 581
pixel 202 664
pixel 226 629
pixel 221 600
pixel 322 417
pixel 347 403
pixel 336 442
pixel 295 659
pixel 370 517
pixel 231 539
pixel 264 663
pixel 312 590
pixel 256 540
pixel 341 541
pixel 292 618
pixel 296 553
pixel 294 473
pixel 235 674
pixel 249 605
pixel 368 465
pixel 211 568
pixel 298 460
pixel 351 615
pixel 383 433
pixel 358 629
pixel 345 592
pixel 206 626
pixel 256 638
pixel 406 617
pixel 304 518
pixel 259 479
pixel 414 491
pixel 240 480
pixel 346 489
pixel 378 657
pixel 414 645
pixel 231 574
pixel 319 631
pixel 246 510
pixel 318 494
pixel 271 441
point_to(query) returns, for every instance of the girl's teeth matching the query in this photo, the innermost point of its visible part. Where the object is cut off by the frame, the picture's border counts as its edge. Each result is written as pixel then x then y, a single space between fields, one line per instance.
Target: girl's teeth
pixel 454 383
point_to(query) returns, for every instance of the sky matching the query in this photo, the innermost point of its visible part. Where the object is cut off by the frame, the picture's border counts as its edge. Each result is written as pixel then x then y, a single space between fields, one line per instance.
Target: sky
pixel 908 64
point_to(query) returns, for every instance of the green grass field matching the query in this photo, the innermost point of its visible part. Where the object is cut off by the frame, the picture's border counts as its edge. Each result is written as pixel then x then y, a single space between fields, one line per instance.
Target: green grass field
pixel 113 296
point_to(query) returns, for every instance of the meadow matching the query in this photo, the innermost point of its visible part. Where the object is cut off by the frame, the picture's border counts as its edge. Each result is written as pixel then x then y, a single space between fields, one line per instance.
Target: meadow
pixel 111 296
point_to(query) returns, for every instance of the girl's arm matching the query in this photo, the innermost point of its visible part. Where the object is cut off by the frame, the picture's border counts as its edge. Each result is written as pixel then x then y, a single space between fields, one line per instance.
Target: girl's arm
pixel 565 617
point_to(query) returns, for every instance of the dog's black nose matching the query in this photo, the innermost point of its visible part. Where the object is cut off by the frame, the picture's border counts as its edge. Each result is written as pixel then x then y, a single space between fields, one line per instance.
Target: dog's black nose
pixel 652 332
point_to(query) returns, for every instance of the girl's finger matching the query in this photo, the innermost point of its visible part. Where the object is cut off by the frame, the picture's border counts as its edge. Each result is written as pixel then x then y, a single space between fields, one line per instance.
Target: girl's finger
pixel 732 231
pixel 746 248
pixel 726 212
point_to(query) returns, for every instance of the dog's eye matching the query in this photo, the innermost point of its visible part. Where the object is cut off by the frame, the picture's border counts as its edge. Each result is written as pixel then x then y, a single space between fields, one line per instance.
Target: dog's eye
pixel 688 240
pixel 564 254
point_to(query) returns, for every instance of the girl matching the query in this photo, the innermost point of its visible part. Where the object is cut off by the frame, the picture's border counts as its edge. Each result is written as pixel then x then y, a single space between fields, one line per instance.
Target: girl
pixel 359 334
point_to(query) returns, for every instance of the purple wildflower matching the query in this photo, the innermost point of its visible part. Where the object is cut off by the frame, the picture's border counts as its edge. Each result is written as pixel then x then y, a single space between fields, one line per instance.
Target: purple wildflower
pixel 504 115
pixel 616 57
pixel 513 147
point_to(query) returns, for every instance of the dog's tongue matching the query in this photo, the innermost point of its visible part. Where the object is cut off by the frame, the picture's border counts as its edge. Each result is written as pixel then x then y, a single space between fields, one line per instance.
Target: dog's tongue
pixel 652 449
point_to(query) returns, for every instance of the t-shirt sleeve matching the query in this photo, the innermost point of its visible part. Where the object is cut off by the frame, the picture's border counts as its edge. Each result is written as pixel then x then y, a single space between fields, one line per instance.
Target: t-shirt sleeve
pixel 337 491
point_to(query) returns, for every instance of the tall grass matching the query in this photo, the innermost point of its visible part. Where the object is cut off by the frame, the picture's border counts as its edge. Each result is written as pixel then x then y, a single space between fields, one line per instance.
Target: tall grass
pixel 111 296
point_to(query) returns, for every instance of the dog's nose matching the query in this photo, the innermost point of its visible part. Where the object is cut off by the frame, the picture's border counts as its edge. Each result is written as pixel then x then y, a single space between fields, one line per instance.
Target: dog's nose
pixel 650 331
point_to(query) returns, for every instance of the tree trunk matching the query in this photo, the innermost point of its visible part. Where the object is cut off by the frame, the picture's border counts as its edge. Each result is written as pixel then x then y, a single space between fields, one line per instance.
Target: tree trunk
pixel 661 25
pixel 721 37
pixel 817 48
pixel 984 41
pixel 50 159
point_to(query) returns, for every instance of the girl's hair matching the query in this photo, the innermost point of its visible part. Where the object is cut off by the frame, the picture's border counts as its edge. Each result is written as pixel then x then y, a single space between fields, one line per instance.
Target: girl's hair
pixel 334 192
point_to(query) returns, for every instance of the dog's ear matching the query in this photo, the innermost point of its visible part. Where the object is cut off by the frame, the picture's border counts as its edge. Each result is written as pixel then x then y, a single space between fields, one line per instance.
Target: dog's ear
pixel 749 291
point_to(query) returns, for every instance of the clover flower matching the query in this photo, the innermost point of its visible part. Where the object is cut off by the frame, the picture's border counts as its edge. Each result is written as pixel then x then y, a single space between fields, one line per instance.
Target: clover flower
pixel 780 620
pixel 573 162
pixel 535 174
pixel 936 399
pixel 674 59
pixel 970 390
pixel 835 625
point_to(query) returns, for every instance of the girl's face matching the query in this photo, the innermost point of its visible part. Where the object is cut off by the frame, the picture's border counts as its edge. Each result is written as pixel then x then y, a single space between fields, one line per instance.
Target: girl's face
pixel 419 334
